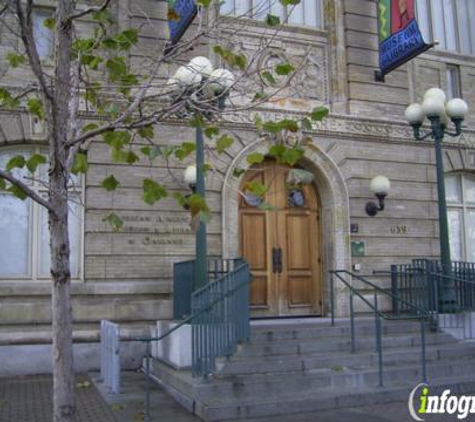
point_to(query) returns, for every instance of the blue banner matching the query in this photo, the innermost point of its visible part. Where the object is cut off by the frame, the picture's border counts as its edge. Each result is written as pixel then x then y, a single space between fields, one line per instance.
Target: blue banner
pixel 180 15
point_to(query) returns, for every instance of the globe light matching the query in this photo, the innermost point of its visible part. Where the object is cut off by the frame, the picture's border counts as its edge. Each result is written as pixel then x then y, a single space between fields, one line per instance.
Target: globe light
pixel 187 76
pixel 219 81
pixel 456 108
pixel 414 113
pixel 433 106
pixel 190 175
pixel 380 185
pixel 435 93
pixel 201 65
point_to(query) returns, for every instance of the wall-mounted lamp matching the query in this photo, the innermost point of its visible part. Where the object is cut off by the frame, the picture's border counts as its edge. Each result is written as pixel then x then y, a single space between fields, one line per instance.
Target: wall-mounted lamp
pixel 189 176
pixel 380 187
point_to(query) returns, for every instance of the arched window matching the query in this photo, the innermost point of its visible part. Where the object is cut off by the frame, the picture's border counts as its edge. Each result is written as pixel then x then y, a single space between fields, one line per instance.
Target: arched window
pixel 24 234
pixel 307 12
pixel 460 194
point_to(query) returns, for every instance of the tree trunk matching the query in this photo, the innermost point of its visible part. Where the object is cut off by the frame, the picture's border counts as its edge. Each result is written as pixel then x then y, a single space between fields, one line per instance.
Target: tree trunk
pixel 63 373
pixel 58 117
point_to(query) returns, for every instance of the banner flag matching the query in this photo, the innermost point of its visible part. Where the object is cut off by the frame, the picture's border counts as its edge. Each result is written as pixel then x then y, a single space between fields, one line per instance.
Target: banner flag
pixel 180 16
pixel 400 39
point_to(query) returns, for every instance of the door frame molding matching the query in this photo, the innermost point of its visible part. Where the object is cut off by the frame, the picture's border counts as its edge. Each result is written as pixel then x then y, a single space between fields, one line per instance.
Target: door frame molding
pixel 335 210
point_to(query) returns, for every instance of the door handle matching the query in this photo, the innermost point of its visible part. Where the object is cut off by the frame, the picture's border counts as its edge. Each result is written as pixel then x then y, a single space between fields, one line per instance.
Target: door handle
pixel 279 260
pixel 274 260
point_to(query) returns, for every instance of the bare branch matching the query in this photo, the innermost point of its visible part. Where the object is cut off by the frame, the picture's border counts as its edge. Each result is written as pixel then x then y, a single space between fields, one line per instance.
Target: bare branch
pixel 30 192
pixel 26 29
pixel 96 9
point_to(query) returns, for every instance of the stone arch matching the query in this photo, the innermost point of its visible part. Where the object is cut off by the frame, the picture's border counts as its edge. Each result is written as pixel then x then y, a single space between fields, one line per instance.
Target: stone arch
pixel 335 218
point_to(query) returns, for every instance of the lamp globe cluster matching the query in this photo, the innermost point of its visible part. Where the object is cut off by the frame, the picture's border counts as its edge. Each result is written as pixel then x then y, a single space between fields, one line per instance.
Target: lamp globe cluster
pixel 199 74
pixel 436 106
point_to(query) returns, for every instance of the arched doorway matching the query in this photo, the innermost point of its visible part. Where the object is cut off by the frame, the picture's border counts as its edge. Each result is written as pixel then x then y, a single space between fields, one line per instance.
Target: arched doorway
pixel 281 242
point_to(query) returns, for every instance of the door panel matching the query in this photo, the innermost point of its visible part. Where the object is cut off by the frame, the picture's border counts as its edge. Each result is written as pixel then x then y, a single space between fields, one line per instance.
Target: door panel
pixel 294 286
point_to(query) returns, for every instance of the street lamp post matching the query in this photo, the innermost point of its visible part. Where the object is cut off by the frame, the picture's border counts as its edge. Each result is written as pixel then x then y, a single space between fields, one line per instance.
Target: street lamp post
pixel 203 91
pixel 438 111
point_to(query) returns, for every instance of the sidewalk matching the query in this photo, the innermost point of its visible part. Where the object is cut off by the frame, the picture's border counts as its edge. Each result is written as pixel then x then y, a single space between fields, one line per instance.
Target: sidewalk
pixel 30 399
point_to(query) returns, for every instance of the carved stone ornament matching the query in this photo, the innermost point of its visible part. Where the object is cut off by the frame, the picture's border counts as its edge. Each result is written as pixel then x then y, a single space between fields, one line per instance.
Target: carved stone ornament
pixel 268 60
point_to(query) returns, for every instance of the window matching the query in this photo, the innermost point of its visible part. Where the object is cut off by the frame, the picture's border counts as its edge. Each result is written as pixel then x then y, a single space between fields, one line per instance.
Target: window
pixel 43 35
pixel 308 12
pixel 460 194
pixel 453 82
pixel 24 234
pixel 450 22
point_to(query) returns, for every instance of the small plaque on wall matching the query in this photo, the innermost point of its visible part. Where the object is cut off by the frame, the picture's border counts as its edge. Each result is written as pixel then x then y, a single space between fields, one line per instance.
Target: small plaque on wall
pixel 357 248
pixel 354 228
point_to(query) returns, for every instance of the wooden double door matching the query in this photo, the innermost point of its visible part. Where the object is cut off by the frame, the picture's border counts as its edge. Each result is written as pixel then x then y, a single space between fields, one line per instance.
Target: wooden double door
pixel 281 242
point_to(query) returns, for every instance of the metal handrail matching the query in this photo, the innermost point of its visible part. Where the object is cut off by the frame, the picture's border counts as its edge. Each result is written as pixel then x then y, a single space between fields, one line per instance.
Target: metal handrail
pixel 195 316
pixel 422 316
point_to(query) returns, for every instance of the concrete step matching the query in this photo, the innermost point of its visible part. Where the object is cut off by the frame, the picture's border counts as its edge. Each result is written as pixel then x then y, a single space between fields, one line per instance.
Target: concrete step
pixel 309 402
pixel 337 345
pixel 363 327
pixel 308 362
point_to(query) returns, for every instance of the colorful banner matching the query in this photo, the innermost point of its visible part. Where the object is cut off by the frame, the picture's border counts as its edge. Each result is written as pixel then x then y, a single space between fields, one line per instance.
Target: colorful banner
pixel 400 39
pixel 180 15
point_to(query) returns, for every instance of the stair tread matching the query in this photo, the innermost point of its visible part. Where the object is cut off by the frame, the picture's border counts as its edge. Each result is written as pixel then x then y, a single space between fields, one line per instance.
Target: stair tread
pixel 336 392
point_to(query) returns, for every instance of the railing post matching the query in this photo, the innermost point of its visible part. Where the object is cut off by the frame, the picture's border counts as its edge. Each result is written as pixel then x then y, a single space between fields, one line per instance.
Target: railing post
pixel 376 320
pixel 394 287
pixel 332 300
pixel 147 416
pixel 380 349
pixel 352 323
pixel 423 351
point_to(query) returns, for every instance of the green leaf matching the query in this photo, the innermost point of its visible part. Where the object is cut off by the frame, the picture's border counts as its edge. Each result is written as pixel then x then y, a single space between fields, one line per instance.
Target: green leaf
pixel 185 150
pixel 110 183
pixel 146 132
pixel 91 60
pixel 89 127
pixel 15 59
pixel 19 193
pixel 265 206
pixel 272 127
pixel 115 221
pixel 238 172
pixel 117 139
pixel 7 100
pixel 289 2
pixel 80 163
pixel 126 39
pixel 197 121
pixel 256 188
pixel 272 20
pixel 211 131
pixel 128 157
pixel 319 113
pixel 258 122
pixel 203 3
pixel 255 158
pixel 49 23
pixel 34 161
pixel 103 16
pixel 289 124
pixel 284 69
pixel 151 152
pixel 3 184
pixel 240 61
pixel 35 107
pixel 277 151
pixel 117 68
pixel 197 204
pixel 181 199
pixel 18 161
pixel 306 123
pixel 153 192
pixel 268 77
pixel 223 143
pixel 292 155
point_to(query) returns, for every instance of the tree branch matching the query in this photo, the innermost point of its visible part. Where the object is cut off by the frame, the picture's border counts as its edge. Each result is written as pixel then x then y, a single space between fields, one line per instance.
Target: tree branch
pixel 30 192
pixel 26 29
pixel 96 9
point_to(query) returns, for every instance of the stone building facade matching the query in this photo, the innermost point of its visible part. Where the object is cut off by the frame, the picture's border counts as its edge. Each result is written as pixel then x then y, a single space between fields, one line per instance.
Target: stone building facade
pixel 126 276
